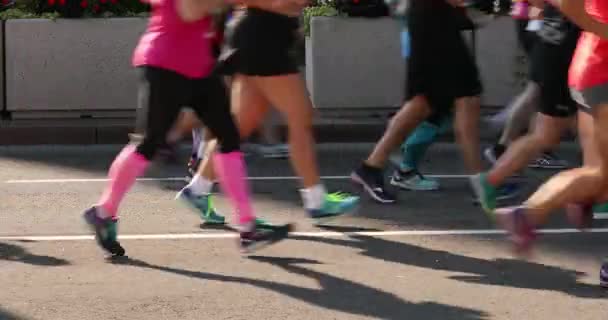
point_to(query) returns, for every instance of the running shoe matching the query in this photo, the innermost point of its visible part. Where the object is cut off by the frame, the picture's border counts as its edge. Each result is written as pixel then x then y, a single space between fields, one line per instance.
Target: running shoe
pixel 548 161
pixel 250 241
pixel 203 205
pixel 372 181
pixel 521 231
pixel 604 274
pixel 334 204
pixel 413 180
pixel 505 192
pixel 484 192
pixel 581 215
pixel 601 208
pixel 105 231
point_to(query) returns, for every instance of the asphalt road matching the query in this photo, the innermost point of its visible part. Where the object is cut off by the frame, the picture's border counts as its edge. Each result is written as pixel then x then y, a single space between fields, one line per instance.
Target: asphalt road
pixel 431 256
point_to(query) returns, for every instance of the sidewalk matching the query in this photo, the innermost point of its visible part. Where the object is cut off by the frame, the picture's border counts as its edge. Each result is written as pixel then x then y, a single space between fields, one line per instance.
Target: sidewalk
pixel 332 128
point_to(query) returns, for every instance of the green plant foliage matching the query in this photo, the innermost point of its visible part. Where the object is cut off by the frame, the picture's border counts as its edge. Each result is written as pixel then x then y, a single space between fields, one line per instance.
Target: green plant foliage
pixel 320 10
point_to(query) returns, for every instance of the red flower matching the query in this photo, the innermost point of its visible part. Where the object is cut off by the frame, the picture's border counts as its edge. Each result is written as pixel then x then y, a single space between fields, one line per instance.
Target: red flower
pixel 51 2
pixel 96 8
pixel 103 1
pixel 83 4
pixel 6 2
pixel 62 2
pixel 113 1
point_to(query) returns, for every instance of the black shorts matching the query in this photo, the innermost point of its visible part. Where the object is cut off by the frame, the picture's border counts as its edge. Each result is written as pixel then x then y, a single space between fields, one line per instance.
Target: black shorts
pixel 259 43
pixel 441 66
pixel 549 69
pixel 162 95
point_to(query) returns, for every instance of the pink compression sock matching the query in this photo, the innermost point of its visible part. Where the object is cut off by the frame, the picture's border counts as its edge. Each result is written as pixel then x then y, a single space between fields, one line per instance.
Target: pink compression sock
pixel 230 169
pixel 127 166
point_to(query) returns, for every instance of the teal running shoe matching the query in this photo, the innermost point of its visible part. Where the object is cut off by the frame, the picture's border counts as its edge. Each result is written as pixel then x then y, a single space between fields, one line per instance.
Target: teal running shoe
pixel 335 204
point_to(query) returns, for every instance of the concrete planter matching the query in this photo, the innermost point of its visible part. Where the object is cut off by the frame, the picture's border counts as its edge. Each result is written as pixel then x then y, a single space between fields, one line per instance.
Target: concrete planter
pixel 357 63
pixel 354 63
pixel 497 49
pixel 77 66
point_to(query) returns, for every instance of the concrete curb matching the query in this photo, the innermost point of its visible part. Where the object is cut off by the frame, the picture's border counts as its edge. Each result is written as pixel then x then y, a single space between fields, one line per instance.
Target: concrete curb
pixel 88 132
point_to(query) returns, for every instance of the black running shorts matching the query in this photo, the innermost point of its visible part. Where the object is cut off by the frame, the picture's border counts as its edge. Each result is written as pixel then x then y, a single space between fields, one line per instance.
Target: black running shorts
pixel 551 57
pixel 441 66
pixel 259 43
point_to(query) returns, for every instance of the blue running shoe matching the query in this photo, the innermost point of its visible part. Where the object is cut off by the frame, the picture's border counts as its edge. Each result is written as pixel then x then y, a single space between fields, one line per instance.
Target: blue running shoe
pixel 414 181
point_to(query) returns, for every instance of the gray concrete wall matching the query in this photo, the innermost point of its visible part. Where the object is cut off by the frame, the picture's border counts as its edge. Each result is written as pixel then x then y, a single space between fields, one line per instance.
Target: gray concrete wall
pixel 356 63
pixel 497 49
pixel 80 64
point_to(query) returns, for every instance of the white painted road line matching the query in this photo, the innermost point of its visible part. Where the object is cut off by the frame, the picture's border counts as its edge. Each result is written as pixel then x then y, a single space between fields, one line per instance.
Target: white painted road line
pixel 80 180
pixel 314 234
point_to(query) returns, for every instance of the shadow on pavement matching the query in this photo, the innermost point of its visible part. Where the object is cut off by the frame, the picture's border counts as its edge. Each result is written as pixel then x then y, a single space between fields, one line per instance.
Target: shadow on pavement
pixel 90 159
pixel 15 253
pixel 335 293
pixel 7 315
pixel 498 272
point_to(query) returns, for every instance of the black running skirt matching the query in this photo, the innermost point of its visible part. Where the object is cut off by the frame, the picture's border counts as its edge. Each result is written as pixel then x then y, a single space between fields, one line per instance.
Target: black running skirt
pixel 259 43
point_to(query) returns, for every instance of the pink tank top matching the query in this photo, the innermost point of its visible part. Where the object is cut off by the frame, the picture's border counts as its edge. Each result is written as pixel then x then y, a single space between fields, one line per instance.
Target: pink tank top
pixel 589 66
pixel 175 45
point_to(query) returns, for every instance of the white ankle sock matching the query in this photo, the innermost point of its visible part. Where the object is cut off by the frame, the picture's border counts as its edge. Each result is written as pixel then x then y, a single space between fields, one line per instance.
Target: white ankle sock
pixel 199 185
pixel 313 197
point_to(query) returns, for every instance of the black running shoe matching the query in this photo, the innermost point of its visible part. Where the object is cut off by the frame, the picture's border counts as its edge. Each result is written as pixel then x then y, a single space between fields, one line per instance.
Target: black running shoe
pixel 372 181
pixel 258 238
